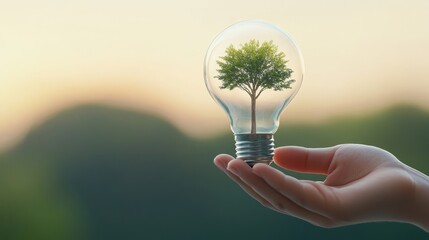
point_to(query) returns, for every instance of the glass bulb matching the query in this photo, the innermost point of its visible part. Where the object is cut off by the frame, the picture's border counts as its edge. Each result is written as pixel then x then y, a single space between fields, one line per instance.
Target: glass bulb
pixel 253 69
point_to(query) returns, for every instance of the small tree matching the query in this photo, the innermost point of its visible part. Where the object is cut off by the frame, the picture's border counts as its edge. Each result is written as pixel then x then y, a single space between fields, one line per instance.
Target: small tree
pixel 253 68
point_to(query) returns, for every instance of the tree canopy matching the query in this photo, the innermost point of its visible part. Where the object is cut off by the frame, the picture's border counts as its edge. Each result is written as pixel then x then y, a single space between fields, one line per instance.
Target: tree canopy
pixel 253 68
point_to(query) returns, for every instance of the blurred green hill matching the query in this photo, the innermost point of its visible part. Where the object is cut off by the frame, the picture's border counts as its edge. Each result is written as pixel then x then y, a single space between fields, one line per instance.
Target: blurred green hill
pixel 96 172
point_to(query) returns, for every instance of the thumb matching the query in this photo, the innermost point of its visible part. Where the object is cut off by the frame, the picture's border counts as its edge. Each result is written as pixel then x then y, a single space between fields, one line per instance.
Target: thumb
pixel 306 160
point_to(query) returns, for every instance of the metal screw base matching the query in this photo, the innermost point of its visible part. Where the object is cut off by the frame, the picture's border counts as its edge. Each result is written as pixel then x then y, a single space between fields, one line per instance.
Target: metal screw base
pixel 254 148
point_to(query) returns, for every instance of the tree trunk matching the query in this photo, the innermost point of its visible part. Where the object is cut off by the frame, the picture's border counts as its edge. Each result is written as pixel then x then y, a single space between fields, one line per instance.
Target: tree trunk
pixel 253 128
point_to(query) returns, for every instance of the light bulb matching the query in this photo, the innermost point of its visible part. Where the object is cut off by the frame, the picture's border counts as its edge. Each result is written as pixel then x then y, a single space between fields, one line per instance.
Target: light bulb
pixel 253 69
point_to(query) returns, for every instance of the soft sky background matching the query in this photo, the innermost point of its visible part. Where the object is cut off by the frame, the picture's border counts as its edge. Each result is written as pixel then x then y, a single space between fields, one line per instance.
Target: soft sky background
pixel 360 56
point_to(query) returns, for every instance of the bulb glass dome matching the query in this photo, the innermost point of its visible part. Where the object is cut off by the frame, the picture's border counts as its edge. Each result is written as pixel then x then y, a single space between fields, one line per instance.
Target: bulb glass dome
pixel 236 102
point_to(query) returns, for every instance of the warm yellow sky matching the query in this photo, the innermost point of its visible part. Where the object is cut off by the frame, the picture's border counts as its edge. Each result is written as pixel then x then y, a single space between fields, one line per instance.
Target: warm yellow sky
pixel 360 56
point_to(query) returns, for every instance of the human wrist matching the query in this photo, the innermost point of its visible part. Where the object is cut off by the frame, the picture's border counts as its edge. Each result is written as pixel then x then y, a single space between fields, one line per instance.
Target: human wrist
pixel 420 208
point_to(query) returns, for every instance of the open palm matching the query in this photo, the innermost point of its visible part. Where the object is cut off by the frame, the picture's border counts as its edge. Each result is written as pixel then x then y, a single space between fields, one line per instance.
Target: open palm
pixel 363 183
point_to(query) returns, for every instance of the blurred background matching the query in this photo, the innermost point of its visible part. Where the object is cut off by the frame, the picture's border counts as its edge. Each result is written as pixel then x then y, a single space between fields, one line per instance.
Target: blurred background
pixel 107 130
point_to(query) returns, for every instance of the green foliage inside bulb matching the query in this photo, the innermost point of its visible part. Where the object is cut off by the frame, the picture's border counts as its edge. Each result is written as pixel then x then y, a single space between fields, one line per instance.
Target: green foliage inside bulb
pixel 253 68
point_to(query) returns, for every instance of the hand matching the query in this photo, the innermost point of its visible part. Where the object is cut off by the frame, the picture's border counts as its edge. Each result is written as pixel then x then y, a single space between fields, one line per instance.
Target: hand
pixel 363 184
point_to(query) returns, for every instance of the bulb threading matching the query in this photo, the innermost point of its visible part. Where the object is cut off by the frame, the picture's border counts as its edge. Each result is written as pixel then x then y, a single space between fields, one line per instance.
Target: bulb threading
pixel 254 148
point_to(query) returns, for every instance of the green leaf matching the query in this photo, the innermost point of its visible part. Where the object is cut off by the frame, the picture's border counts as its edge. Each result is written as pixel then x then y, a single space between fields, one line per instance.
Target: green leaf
pixel 253 68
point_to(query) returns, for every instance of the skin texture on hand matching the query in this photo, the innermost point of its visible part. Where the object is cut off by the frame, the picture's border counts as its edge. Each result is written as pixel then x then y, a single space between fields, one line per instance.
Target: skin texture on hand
pixel 363 184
